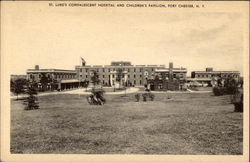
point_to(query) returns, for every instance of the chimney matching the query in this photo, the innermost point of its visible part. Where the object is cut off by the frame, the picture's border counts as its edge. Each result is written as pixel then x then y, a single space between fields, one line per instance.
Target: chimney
pixel 36 67
pixel 209 69
pixel 171 71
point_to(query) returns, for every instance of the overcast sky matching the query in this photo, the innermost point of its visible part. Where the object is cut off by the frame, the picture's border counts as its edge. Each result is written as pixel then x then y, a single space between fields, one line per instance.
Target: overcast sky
pixel 57 38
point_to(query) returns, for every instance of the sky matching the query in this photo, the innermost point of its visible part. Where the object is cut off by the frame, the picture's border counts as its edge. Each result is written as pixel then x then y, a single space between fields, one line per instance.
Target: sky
pixel 58 37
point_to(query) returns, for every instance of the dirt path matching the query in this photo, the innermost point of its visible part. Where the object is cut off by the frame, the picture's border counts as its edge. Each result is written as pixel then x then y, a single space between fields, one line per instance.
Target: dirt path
pixel 77 91
pixel 84 91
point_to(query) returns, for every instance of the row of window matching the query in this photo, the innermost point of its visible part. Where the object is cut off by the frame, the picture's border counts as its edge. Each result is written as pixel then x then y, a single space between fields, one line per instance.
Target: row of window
pixel 67 76
pixel 103 76
pixel 57 76
pixel 129 82
pixel 113 69
pixel 215 75
pixel 174 75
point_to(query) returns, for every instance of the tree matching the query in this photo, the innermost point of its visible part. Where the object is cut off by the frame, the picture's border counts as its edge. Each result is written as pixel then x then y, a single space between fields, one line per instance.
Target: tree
pixel 231 85
pixel 31 101
pixel 18 86
pixel 95 78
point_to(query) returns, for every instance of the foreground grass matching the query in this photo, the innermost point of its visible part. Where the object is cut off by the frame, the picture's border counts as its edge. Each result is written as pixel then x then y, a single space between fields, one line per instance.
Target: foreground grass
pixel 184 124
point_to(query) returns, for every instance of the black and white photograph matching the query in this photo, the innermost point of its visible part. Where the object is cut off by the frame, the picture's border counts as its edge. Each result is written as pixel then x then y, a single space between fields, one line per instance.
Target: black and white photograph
pixel 121 79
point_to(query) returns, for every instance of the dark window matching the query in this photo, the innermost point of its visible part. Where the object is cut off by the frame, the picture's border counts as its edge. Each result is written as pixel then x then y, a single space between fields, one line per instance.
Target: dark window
pixel 134 82
pixel 103 70
pixel 128 76
pixel 140 82
pixel 80 70
pixel 103 76
pixel 134 70
pixel 140 76
pixel 134 76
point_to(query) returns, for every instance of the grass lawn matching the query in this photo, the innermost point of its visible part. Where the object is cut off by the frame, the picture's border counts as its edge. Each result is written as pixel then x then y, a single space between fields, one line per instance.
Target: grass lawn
pixel 185 124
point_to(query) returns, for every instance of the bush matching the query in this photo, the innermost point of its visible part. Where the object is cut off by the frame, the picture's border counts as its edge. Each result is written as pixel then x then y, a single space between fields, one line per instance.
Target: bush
pixel 137 97
pixel 97 91
pixel 96 98
pixel 144 97
pixel 238 107
pixel 231 86
pixel 151 96
pixel 31 101
pixel 218 91
pixel 237 100
pixel 236 97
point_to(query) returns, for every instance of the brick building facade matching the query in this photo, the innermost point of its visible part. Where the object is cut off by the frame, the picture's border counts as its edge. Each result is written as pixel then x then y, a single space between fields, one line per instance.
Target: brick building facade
pixel 63 79
pixel 132 75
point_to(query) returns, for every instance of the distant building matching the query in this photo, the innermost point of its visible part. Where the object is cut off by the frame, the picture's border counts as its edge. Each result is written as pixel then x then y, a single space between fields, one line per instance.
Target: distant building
pixel 209 76
pixel 63 79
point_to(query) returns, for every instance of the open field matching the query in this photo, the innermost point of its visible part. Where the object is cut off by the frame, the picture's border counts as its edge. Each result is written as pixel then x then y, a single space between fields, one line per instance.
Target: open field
pixel 188 123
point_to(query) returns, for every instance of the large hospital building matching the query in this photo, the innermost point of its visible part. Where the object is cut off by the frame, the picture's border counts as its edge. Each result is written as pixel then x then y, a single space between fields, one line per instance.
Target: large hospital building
pixel 129 75
pixel 132 75
pixel 158 77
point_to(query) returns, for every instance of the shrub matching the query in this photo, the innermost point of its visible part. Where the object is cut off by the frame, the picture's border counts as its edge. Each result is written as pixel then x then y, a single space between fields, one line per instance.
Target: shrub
pixel 97 97
pixel 144 97
pixel 151 96
pixel 238 107
pixel 97 91
pixel 137 97
pixel 231 86
pixel 31 101
pixel 218 91
pixel 236 97
pixel 237 100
